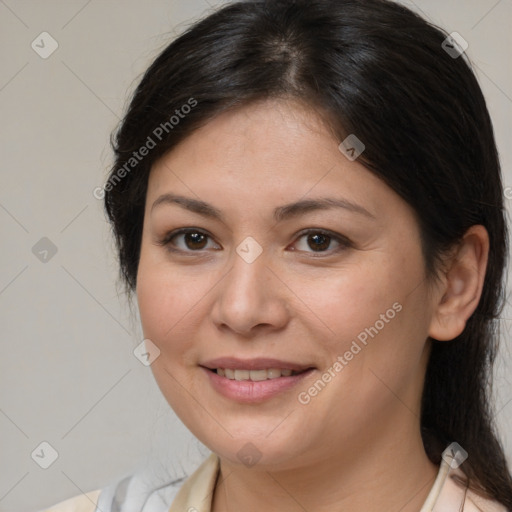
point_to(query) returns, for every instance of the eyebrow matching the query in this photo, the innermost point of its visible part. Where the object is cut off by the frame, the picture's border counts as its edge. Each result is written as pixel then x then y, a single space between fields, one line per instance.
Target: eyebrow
pixel 281 213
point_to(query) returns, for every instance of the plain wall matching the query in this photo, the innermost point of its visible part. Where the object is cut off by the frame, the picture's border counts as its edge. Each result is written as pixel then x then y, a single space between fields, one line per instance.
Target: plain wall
pixel 68 374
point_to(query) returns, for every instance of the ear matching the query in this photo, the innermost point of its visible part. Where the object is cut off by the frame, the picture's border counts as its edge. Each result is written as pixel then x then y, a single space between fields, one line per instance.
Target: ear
pixel 462 283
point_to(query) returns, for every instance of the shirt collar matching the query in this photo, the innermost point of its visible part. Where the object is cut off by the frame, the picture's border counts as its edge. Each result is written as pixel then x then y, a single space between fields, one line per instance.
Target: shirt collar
pixel 196 493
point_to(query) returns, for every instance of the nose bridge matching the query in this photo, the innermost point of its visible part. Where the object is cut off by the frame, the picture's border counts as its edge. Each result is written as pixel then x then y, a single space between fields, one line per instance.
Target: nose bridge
pixel 249 268
pixel 249 297
pixel 245 290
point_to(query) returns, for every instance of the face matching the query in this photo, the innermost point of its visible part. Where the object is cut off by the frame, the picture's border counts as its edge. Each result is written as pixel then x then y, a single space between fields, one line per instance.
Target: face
pixel 285 288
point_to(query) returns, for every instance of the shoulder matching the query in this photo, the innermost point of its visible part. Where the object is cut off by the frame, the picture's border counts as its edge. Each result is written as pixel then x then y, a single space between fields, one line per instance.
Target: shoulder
pixel 82 503
pixel 476 503
pixel 143 491
pixel 129 494
pixel 135 492
pixel 456 496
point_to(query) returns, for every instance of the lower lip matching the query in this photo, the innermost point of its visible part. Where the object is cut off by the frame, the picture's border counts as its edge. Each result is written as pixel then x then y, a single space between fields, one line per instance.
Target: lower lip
pixel 248 391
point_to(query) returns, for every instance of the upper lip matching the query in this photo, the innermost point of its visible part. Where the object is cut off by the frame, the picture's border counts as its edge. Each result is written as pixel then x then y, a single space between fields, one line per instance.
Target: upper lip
pixel 258 363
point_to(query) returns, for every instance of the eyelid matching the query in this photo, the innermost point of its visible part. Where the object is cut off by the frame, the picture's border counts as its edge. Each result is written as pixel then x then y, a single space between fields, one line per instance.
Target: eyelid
pixel 165 241
pixel 323 231
pixel 343 241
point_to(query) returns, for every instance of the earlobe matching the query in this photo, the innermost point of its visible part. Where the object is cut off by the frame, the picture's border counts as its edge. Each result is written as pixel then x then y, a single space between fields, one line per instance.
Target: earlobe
pixel 462 284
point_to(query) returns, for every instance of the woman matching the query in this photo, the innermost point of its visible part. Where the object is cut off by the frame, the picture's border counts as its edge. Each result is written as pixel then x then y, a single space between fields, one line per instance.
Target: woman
pixel 307 202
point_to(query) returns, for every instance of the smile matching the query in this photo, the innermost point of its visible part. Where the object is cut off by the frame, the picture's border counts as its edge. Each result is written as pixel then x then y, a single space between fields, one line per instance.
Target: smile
pixel 254 380
pixel 255 375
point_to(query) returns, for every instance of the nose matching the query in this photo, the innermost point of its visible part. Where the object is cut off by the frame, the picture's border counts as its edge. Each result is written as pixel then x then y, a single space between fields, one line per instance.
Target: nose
pixel 250 299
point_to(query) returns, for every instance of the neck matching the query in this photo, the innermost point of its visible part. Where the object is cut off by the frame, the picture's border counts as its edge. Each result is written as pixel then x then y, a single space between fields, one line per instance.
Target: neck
pixel 379 476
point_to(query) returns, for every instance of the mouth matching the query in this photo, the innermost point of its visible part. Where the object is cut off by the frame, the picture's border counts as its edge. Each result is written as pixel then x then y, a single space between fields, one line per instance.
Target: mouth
pixel 254 380
pixel 255 375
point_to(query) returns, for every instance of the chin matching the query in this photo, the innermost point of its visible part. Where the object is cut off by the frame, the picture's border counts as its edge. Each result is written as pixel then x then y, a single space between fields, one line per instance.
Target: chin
pixel 248 443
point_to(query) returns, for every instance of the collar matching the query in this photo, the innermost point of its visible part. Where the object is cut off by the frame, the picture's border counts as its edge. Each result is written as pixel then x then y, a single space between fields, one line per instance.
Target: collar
pixel 196 494
pixel 446 495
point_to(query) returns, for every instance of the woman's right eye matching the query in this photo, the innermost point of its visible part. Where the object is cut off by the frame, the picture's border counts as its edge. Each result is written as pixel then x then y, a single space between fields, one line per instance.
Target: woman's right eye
pixel 186 240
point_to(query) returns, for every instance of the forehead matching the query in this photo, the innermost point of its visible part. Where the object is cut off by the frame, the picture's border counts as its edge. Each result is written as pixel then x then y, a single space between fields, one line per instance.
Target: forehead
pixel 270 152
pixel 270 132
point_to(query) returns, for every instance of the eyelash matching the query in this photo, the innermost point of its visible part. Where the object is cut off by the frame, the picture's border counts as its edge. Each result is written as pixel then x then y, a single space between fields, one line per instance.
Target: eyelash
pixel 344 243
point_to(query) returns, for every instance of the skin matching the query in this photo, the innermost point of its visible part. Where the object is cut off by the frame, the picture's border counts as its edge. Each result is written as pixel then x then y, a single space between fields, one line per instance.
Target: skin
pixel 356 445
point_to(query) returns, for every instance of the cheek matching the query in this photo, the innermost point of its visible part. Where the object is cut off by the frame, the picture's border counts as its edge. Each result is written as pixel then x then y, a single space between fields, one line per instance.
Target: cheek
pixel 165 303
pixel 375 313
pixel 345 301
pixel 158 308
pixel 168 299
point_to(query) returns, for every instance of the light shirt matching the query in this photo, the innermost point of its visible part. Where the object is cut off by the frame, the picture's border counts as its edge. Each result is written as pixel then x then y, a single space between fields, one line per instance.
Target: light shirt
pixel 194 494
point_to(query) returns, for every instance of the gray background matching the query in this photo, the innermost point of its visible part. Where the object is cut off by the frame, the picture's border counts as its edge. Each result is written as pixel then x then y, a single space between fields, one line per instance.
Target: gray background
pixel 68 373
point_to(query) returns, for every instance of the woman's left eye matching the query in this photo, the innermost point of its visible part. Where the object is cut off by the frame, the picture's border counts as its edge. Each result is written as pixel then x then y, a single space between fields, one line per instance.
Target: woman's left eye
pixel 321 240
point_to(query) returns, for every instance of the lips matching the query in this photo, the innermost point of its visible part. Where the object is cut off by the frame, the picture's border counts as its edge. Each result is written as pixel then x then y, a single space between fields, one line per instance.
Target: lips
pixel 254 380
pixel 255 370
pixel 254 375
pixel 232 363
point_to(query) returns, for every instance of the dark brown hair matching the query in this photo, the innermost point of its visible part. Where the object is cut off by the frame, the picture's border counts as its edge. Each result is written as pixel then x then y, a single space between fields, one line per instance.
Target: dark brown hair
pixel 381 72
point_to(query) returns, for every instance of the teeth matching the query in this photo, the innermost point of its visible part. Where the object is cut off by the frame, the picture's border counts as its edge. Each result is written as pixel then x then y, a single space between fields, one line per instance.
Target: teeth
pixel 257 375
pixel 273 373
pixel 242 374
pixel 254 375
